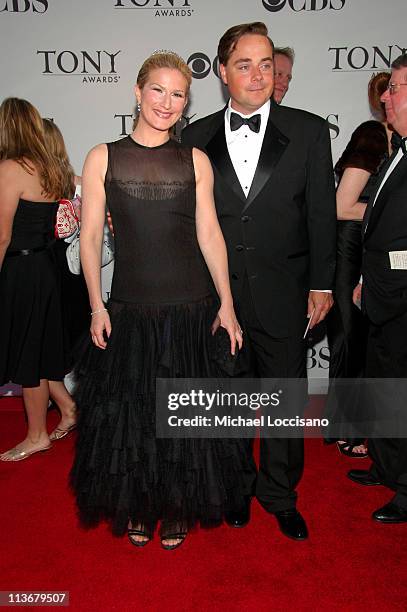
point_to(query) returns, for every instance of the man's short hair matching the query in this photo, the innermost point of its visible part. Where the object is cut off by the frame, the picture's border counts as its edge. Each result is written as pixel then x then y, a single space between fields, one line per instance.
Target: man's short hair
pixel 229 40
pixel 400 62
pixel 286 51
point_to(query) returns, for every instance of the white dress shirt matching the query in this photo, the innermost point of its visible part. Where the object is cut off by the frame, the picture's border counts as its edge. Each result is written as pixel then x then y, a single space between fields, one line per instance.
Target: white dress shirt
pixel 244 145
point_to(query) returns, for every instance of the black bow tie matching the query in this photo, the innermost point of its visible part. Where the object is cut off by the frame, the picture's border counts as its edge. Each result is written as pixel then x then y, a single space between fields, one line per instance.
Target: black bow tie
pixel 236 122
pixel 397 141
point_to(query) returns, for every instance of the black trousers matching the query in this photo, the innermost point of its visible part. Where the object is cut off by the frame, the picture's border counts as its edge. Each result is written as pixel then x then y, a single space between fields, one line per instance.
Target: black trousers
pixel 387 358
pixel 281 459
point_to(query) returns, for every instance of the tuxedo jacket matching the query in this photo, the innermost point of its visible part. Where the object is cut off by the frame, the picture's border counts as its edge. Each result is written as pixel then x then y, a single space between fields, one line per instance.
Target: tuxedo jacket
pixel 384 228
pixel 281 238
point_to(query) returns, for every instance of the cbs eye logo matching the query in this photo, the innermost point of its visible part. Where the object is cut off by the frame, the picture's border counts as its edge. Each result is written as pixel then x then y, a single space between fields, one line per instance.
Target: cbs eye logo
pixel 201 65
pixel 306 5
pixel 274 5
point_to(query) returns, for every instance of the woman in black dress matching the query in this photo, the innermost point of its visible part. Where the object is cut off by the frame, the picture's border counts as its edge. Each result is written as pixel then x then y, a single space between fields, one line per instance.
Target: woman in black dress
pixel 157 323
pixel 75 300
pixel 32 349
pixel 357 171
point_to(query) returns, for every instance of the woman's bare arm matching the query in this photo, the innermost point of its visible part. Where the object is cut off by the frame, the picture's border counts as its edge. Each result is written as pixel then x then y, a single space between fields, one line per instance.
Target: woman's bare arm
pixel 351 185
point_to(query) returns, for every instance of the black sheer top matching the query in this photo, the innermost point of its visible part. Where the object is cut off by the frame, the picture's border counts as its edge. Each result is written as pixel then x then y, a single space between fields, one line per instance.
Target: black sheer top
pixel 367 150
pixel 150 193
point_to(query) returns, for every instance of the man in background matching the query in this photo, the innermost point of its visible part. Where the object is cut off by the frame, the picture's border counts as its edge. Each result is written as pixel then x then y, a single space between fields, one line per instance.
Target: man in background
pixel 283 71
pixel 384 299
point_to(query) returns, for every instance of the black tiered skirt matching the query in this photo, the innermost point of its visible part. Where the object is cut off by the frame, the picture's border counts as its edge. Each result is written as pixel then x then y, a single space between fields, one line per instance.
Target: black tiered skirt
pixel 121 470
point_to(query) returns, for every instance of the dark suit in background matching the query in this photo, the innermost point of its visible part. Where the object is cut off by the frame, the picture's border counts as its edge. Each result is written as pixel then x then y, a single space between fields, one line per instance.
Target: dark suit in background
pixel 384 299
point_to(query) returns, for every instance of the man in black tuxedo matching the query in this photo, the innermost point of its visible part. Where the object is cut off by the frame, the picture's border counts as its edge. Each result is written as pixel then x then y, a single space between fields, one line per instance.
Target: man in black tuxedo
pixel 384 298
pixel 274 194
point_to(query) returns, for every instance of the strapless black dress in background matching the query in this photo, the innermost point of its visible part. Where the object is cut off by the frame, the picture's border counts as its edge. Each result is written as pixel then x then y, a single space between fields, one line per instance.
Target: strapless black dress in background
pixel 32 338
pixel 346 325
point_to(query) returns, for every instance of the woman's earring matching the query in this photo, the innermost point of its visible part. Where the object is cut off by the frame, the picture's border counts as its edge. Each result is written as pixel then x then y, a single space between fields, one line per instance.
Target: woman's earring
pixel 138 107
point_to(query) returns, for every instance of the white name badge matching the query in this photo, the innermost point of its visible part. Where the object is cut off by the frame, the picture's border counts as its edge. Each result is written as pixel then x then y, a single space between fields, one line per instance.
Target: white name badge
pixel 398 260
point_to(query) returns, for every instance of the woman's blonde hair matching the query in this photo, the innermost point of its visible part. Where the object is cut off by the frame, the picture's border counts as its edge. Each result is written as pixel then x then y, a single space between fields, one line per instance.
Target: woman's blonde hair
pixel 56 147
pixel 22 138
pixel 163 59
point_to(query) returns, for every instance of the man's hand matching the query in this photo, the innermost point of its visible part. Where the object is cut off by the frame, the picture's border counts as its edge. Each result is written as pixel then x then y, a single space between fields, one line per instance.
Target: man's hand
pixel 319 303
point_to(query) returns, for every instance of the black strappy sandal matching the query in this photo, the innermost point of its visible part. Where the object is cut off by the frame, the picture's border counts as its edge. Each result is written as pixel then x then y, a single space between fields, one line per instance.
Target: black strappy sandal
pixel 142 531
pixel 172 531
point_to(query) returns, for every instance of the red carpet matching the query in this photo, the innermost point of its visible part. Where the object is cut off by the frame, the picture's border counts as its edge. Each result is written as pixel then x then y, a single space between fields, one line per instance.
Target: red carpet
pixel 349 563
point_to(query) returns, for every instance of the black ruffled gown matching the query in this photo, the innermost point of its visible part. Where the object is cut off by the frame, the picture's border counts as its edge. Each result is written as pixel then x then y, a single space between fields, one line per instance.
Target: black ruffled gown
pixel 161 310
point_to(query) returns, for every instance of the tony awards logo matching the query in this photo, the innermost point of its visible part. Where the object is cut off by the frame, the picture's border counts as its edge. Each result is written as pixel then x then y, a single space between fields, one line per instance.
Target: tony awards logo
pixel 159 8
pixel 348 59
pixel 91 66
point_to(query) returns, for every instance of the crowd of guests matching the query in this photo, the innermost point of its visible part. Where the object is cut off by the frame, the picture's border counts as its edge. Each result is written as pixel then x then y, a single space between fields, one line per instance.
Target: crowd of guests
pixel 199 253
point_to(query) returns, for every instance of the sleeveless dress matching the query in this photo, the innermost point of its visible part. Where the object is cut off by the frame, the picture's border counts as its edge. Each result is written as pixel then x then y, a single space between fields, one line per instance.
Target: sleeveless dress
pixel 32 342
pixel 161 311
pixel 346 325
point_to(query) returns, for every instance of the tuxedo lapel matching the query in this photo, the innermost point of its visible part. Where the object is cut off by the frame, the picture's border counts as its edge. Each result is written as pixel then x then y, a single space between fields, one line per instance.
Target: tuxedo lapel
pixel 218 153
pixel 366 218
pixel 377 209
pixel 274 145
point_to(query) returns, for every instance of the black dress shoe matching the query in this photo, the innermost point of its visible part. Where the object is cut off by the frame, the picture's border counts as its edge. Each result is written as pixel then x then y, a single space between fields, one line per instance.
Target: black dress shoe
pixel 363 477
pixel 239 519
pixel 292 524
pixel 390 513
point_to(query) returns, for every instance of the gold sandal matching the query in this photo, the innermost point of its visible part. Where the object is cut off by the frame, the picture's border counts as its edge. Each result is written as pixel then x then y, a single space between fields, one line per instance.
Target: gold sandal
pixel 59 433
pixel 17 454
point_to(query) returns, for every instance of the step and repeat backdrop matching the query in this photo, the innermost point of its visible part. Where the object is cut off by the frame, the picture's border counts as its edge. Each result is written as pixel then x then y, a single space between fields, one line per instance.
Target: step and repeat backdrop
pixel 77 61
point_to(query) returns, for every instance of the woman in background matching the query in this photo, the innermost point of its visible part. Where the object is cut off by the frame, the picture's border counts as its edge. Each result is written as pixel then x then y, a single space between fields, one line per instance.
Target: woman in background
pixel 357 171
pixel 75 301
pixel 32 349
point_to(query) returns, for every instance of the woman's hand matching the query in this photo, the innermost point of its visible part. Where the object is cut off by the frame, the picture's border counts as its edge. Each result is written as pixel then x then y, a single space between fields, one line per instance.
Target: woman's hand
pixel 357 295
pixel 110 222
pixel 226 318
pixel 100 324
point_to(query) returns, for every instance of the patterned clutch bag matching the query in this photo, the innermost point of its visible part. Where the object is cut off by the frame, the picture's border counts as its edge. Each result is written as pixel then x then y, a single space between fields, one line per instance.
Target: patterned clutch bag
pixel 67 222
